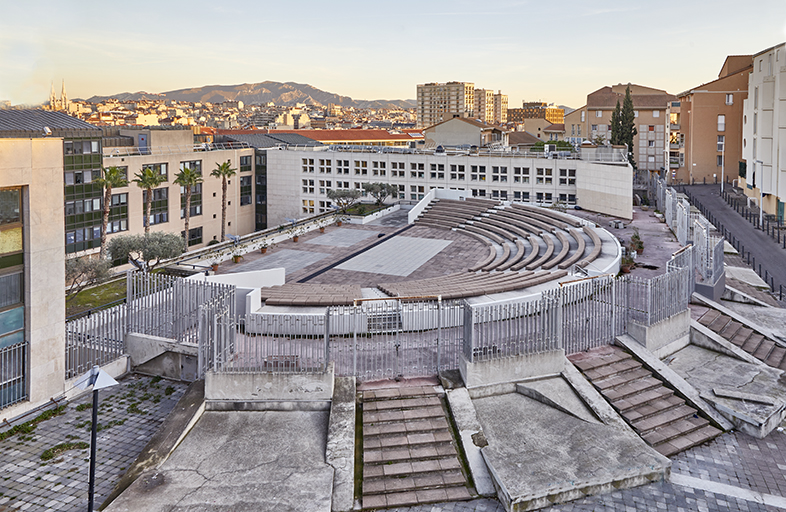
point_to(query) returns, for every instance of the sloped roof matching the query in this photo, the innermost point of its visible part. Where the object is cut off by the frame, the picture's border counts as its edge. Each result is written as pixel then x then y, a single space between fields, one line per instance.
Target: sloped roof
pixel 474 122
pixel 606 98
pixel 31 123
pixel 557 127
pixel 269 140
pixel 518 138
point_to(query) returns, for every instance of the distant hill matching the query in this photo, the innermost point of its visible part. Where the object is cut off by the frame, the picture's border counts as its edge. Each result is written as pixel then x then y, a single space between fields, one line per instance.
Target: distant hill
pixel 288 93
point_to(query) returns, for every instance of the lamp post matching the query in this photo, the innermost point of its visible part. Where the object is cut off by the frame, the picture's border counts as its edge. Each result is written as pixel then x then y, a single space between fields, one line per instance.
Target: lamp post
pixel 99 379
pixel 761 191
pixel 723 161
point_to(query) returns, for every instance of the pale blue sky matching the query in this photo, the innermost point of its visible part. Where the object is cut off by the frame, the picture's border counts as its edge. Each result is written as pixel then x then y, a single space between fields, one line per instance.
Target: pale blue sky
pixel 553 51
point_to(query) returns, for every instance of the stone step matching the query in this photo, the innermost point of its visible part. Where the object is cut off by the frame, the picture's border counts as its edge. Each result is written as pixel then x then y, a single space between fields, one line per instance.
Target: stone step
pixel 617 380
pixel 680 443
pixel 602 372
pixel 396 393
pixel 775 359
pixel 435 411
pixel 742 336
pixel 645 425
pixel 764 349
pixel 411 453
pixel 415 497
pixel 719 323
pixel 653 407
pixel 753 342
pixel 401 403
pixel 632 388
pixel 429 480
pixel 404 439
pixel 731 330
pixel 627 403
pixel 673 430
pixel 598 357
pixel 402 469
pixel 412 426
pixel 709 317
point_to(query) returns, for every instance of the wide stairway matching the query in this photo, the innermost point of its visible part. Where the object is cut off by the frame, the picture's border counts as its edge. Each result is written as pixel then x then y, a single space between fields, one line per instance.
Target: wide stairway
pixel 660 417
pixel 752 342
pixel 409 454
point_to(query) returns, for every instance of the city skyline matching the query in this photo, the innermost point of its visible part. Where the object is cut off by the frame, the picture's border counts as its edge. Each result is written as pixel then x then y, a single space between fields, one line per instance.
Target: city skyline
pixel 530 53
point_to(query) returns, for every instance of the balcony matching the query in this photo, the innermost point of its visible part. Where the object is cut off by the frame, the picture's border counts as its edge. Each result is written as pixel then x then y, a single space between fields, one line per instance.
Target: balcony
pixel 676 145
pixel 675 127
pixel 674 163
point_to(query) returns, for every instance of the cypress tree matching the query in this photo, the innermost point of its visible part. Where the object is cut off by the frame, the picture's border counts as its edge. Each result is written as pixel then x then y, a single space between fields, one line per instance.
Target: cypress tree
pixel 627 125
pixel 615 125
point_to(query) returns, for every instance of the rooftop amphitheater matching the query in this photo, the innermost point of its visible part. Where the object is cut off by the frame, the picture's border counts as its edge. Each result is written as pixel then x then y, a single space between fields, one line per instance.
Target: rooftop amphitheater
pixel 455 248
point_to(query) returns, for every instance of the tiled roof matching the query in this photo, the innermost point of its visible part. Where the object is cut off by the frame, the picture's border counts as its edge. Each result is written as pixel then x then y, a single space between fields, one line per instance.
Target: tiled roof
pixel 31 123
pixel 265 140
pixel 606 98
pixel 516 138
pixel 559 127
pixel 354 135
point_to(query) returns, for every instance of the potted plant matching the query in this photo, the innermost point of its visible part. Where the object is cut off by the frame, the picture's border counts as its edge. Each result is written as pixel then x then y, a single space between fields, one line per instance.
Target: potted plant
pixel 236 257
pixel 214 266
pixel 321 225
pixel 636 243
pixel 626 264
pixel 263 247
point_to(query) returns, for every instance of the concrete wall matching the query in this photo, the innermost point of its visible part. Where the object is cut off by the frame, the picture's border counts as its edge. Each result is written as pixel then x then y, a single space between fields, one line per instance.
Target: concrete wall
pixel 454 132
pixel 510 369
pixel 286 387
pixel 605 188
pixel 37 165
pixel 662 333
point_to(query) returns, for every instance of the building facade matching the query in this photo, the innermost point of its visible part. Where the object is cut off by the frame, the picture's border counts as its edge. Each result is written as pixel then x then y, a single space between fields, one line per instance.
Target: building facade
pixel 705 140
pixel 536 110
pixel 437 102
pixel 764 131
pixel 484 105
pixel 500 108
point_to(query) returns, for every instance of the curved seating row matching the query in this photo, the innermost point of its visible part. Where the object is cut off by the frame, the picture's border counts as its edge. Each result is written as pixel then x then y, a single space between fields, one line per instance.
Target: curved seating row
pixel 308 294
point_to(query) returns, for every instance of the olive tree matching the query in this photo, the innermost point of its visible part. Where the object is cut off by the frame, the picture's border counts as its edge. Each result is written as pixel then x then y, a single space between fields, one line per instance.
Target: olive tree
pixel 344 198
pixel 146 251
pixel 380 191
pixel 83 272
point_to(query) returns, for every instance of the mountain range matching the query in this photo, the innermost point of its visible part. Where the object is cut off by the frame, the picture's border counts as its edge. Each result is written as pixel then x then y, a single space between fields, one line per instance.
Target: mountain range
pixel 286 93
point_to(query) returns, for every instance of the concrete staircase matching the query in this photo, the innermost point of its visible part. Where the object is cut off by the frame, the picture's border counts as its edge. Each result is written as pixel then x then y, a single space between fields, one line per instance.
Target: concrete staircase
pixel 747 339
pixel 660 417
pixel 409 454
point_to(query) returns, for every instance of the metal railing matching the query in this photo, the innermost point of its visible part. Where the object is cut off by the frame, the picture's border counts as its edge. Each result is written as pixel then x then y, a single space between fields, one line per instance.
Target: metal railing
pixel 96 339
pixel 13 374
pixel 123 151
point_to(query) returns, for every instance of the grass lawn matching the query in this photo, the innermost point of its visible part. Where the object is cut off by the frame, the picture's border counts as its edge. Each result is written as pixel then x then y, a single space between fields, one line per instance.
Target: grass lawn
pixel 97 296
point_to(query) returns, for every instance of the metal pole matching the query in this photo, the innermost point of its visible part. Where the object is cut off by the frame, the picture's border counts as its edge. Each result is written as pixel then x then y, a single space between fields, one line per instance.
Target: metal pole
pixel 439 328
pixel 91 485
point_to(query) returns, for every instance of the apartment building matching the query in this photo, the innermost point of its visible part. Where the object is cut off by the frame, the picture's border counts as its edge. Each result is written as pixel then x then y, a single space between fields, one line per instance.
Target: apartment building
pixel 484 105
pixel 705 140
pixel 650 106
pixel 536 110
pixel 437 102
pixel 764 131
pixel 500 108
pixel 32 272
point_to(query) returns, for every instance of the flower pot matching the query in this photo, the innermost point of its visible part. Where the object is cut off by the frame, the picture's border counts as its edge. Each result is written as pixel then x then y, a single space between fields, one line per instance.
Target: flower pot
pixel 263 250
pixel 338 223
pixel 625 269
pixel 322 229
pixel 237 259
pixel 639 250
pixel 214 266
pixel 294 238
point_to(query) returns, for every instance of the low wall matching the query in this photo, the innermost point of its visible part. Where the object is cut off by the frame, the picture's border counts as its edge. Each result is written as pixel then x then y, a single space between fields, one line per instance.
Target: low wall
pixel 269 387
pixel 164 357
pixel 660 334
pixel 511 369
pixel 365 219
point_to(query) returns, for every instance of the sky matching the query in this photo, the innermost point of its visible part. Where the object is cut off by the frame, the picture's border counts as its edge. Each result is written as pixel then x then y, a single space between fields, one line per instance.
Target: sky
pixel 556 52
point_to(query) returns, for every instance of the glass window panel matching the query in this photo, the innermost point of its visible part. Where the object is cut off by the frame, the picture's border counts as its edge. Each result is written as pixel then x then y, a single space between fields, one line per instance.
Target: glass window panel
pixel 12 339
pixel 69 178
pixel 11 240
pixel 11 289
pixel 9 206
pixel 12 320
pixel 94 146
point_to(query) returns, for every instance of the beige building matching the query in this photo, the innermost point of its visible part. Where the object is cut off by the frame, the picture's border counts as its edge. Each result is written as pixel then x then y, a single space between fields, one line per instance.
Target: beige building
pixel 500 108
pixel 437 102
pixel 464 132
pixel 167 152
pixel 651 121
pixel 536 110
pixel 32 273
pixel 764 131
pixel 705 140
pixel 484 105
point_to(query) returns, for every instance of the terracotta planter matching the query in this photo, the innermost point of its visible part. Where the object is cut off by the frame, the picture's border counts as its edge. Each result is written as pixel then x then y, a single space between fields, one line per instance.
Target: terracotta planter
pixel 639 250
pixel 214 266
pixel 338 223
pixel 322 229
pixel 237 259
pixel 625 269
pixel 294 238
pixel 263 250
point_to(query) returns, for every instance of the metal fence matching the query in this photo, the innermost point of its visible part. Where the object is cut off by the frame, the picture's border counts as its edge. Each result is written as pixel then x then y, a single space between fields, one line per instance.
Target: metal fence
pixel 13 373
pixel 681 222
pixel 96 339
pixel 218 332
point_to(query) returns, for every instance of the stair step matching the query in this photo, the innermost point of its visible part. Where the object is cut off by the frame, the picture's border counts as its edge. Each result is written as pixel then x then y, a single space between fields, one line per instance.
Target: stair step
pixel 421 481
pixel 709 317
pixel 408 498
pixel 401 403
pixel 754 340
pixel 423 425
pixel 596 358
pixel 776 357
pixel 764 349
pixel 411 453
pixel 608 370
pixel 741 337
pixel 404 439
pixel 731 330
pixel 627 403
pixel 663 418
pixel 680 443
pixel 617 380
pixel 719 323
pixel 652 408
pixel 632 388
pixel 396 393
pixel 401 469
pixel 672 430
pixel 403 415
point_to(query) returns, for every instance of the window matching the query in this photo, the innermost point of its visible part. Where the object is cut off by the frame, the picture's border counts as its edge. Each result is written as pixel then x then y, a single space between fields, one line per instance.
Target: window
pixel 650 143
pixel 245 163
pixel 159 208
pixel 582 116
pixel 157 168
pixel 721 122
pixel 656 113
pixel 755 122
pixel 729 99
pixel 194 165
pixel 635 113
pixel 755 97
pixel 194 236
pixel 308 186
pixel 598 113
pixel 719 161
pixel 308 164
pixel 594 127
pixel 196 201
pixel 721 140
pixel 246 190
pixel 118 214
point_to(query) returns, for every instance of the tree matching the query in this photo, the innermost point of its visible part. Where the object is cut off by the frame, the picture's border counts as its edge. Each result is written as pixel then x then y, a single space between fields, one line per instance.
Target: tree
pixel 616 125
pixel 627 126
pixel 344 198
pixel 599 140
pixel 146 251
pixel 223 171
pixel 188 178
pixel 380 191
pixel 111 177
pixel 147 180
pixel 83 272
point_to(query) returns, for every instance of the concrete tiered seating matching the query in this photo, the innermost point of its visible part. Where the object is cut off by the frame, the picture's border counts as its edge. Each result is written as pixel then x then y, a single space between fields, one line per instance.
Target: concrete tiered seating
pixel 451 213
pixel 306 294
pixel 545 212
pixel 578 254
pixel 595 250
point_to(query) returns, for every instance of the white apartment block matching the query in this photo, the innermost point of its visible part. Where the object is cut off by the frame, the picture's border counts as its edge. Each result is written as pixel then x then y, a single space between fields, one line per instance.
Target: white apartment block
pixel 438 102
pixel 764 131
pixel 307 175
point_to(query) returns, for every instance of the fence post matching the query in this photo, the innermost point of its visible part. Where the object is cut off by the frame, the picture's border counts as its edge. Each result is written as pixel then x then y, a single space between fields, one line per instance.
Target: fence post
pixel 327 337
pixel 200 343
pixel 439 329
pixel 649 302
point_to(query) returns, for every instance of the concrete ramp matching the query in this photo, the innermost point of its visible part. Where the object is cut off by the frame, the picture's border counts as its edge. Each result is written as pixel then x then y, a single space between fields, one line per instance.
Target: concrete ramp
pixel 241 461
pixel 539 455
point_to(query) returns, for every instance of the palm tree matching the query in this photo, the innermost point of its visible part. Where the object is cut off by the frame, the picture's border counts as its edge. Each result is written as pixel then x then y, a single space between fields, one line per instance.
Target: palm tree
pixel 188 178
pixel 148 179
pixel 111 177
pixel 223 171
